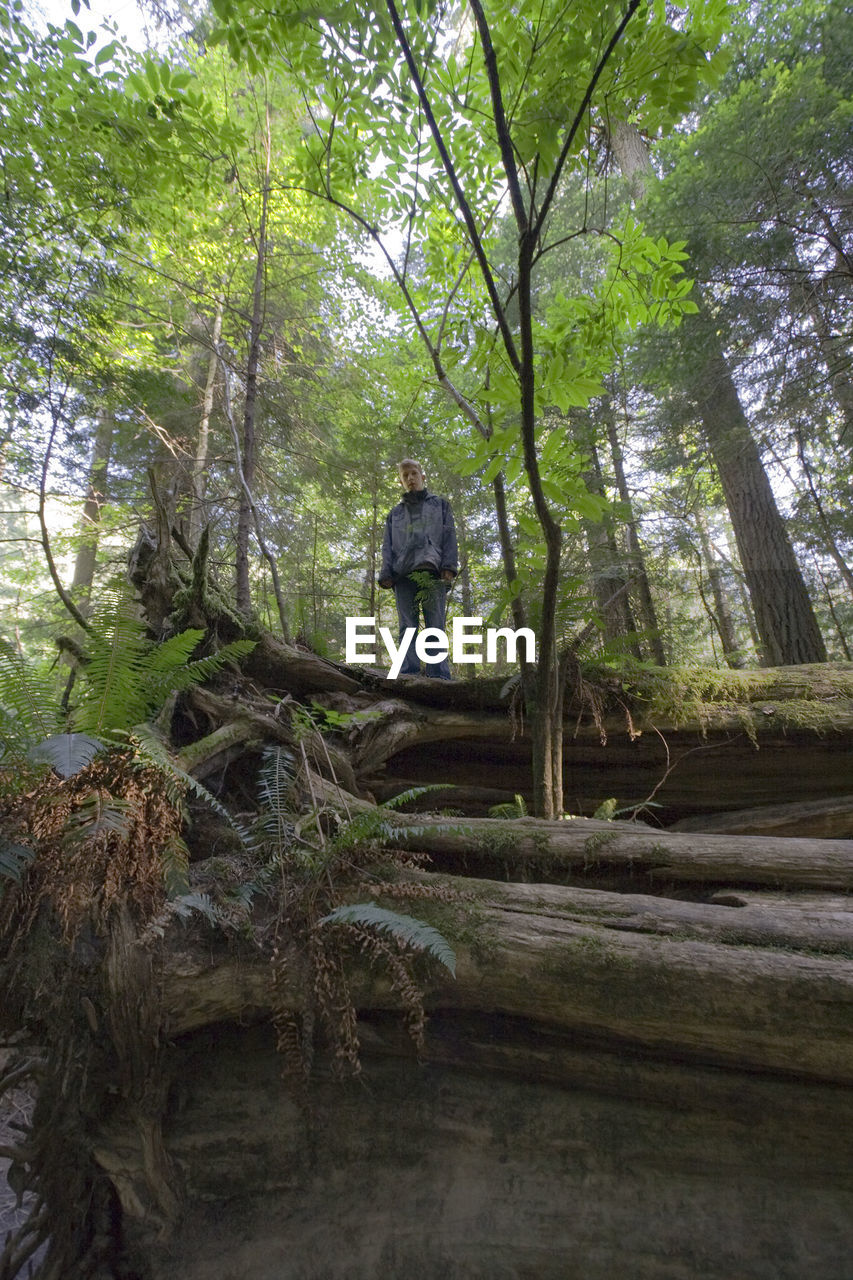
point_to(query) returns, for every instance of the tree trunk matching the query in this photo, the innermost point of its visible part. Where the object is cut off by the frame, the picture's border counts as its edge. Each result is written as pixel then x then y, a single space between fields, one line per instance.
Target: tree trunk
pixel 87 551
pixel 784 615
pixel 783 612
pixel 608 573
pixel 198 483
pixel 243 596
pixel 721 615
pixel 636 558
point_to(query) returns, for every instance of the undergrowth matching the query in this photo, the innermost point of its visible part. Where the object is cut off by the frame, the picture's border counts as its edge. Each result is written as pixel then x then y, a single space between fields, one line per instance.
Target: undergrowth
pixel 94 877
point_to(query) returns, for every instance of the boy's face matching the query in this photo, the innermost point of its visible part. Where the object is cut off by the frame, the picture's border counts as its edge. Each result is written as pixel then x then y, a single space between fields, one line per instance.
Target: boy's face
pixel 412 478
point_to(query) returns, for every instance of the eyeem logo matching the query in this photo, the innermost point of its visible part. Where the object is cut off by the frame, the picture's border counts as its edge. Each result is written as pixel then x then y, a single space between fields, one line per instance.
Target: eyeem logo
pixel 434 645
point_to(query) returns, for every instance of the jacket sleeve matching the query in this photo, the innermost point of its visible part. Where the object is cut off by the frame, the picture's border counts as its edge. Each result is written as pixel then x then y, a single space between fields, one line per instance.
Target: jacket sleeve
pixel 385 569
pixel 449 550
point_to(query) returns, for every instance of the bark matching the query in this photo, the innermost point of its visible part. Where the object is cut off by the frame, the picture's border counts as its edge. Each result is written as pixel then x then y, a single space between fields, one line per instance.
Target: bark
pixel 825 526
pixel 784 616
pixel 87 551
pixel 527 849
pixel 721 615
pixel 198 479
pixel 608 573
pixel 834 347
pixel 653 979
pixel 246 515
pixel 817 819
pixel 636 557
pixel 631 153
pixel 783 611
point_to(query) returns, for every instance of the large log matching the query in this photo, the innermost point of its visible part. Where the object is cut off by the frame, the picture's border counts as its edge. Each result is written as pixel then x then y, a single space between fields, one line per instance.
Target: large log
pixel 530 849
pixel 714 985
pixel 824 819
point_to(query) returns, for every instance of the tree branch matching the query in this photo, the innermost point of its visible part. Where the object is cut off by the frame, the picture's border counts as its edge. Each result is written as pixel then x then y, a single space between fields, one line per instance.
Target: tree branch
pixel 462 203
pixel 45 536
pixel 501 123
pixel 579 115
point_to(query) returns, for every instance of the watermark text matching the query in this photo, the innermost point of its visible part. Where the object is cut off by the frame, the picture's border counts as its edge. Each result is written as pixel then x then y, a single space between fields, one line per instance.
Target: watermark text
pixel 464 644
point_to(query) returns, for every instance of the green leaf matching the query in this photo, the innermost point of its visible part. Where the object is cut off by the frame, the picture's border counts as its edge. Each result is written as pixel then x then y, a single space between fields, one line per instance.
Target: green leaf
pixel 106 54
pixel 411 932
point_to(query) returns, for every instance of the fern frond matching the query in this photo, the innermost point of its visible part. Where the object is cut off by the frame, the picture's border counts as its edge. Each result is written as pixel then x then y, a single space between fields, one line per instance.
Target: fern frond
pixel 511 809
pixel 181 908
pixel 27 701
pixel 113 690
pixel 152 750
pixel 276 781
pixel 14 859
pixel 68 753
pixel 99 812
pixel 172 676
pixel 184 905
pixel 411 932
pixel 175 857
pixel 175 651
pixel 405 797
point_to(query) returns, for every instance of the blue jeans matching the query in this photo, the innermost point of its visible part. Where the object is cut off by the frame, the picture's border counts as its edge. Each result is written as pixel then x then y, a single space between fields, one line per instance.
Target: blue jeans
pixel 432 600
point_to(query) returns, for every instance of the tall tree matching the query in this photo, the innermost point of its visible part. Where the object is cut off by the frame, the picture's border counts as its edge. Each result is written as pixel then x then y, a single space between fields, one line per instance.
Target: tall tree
pixel 470 115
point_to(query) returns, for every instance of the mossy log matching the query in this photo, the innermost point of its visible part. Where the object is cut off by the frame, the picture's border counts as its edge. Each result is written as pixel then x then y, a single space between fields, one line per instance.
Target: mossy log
pixel 528 849
pixel 709 984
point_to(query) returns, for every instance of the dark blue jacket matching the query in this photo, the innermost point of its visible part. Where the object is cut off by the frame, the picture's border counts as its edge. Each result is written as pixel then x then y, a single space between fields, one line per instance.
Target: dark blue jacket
pixel 419 533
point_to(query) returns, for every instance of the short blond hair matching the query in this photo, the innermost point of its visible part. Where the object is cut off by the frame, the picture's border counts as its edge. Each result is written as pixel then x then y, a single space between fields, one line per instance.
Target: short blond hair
pixel 409 462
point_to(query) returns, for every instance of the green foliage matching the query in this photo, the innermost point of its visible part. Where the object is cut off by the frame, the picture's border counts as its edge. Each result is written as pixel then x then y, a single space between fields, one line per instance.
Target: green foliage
pixel 406 929
pixel 14 859
pixel 274 826
pixel 67 753
pixel 150 749
pixel 127 677
pixel 374 827
pixel 28 707
pixel 512 809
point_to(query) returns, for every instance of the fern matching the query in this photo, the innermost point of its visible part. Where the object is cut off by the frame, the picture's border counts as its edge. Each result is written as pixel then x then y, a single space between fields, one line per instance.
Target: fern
pixel 152 750
pixel 512 809
pixel 175 857
pixel 405 797
pixel 116 651
pixel 171 673
pixel 14 859
pixel 127 677
pixel 68 753
pixel 182 908
pixel 376 826
pixel 277 777
pixel 28 708
pixel 100 812
pixel 406 929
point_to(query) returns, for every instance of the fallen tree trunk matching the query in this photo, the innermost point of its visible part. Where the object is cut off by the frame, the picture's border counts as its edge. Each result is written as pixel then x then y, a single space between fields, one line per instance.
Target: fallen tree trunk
pixel 672 979
pixel 528 849
pixel 817 819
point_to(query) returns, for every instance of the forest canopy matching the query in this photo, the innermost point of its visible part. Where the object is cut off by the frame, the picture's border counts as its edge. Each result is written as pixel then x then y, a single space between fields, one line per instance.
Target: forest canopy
pixel 592 266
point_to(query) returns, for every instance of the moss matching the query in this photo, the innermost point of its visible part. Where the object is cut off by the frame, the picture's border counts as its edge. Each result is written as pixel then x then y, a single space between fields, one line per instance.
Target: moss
pixel 464 923
pixel 594 843
pixel 499 841
pixel 790 698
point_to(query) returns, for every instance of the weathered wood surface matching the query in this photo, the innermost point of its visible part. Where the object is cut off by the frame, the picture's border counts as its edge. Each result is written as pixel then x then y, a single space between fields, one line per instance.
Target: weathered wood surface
pixel 530 848
pixel 715 984
pixel 818 819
